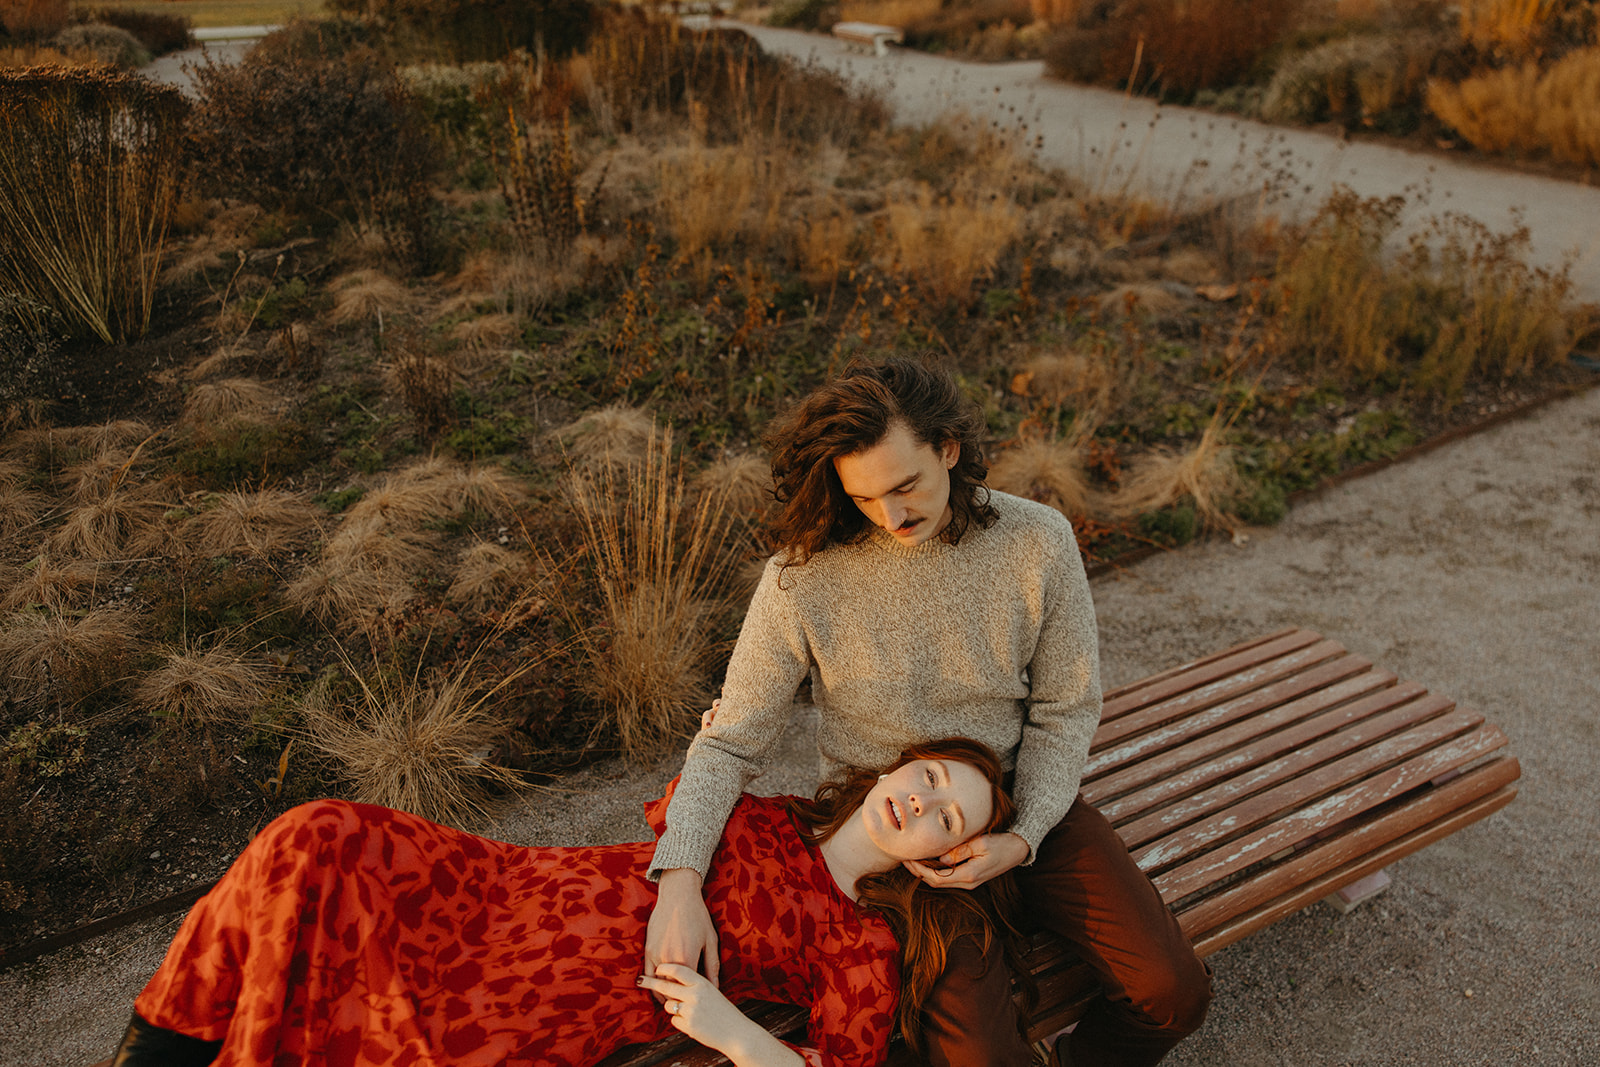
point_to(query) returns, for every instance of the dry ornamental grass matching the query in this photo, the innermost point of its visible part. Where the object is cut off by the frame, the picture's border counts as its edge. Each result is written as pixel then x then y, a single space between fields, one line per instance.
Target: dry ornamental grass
pixel 419 745
pixel 52 658
pixel 203 686
pixel 258 524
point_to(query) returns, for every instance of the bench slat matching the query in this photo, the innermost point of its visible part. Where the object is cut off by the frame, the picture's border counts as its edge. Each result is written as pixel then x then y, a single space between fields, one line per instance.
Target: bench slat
pixel 1298 760
pixel 1140 755
pixel 1310 892
pixel 1188 768
pixel 1342 859
pixel 1120 701
pixel 1215 692
pixel 1329 811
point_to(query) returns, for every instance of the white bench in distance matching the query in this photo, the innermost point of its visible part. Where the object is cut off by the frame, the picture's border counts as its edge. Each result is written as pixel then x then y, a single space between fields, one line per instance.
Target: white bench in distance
pixel 868 33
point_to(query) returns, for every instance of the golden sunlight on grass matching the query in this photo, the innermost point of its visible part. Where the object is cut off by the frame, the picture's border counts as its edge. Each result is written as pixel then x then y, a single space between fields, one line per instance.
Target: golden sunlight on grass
pixel 1049 471
pixel 1204 473
pixel 664 565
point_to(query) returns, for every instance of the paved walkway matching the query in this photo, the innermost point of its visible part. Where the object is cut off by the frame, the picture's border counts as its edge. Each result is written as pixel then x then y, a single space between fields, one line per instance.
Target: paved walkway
pixel 1122 144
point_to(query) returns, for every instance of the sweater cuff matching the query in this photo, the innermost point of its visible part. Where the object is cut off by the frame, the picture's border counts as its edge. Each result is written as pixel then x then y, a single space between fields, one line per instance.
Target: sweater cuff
pixel 682 848
pixel 1033 835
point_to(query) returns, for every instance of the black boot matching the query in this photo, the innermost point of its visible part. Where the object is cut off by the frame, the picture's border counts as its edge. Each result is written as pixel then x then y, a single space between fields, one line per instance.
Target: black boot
pixel 148 1045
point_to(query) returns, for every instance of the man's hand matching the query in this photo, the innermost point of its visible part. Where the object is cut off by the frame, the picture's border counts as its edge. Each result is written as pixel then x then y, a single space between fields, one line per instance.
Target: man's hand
pixel 680 929
pixel 974 862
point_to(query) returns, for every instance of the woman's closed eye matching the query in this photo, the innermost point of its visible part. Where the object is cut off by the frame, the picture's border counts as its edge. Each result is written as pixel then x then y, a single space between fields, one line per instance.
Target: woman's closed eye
pixel 949 823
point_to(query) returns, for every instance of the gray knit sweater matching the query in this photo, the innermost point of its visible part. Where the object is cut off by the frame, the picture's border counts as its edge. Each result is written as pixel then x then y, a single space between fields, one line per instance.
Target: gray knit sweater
pixel 992 638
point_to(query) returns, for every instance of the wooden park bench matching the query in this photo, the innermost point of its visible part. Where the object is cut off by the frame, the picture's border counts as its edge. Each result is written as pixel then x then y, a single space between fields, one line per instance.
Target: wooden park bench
pixel 876 37
pixel 1248 785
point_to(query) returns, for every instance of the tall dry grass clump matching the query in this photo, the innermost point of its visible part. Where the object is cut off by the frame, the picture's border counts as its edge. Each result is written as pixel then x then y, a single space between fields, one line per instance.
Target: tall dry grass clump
pixel 64 659
pixel 947 245
pixel 662 564
pixel 1490 313
pixel 1338 302
pixel 257 524
pixel 206 686
pixel 91 163
pixel 44 582
pixel 420 744
pixel 1204 474
pixel 490 574
pixel 1051 471
pixel 1522 109
pixel 1512 26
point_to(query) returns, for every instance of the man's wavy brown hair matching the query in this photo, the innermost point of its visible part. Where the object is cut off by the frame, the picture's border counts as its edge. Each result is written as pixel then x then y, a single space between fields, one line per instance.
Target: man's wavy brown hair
pixel 851 414
pixel 927 921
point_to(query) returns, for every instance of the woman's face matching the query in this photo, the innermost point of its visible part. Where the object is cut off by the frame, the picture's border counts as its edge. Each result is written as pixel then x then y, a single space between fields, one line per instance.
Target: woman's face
pixel 924 809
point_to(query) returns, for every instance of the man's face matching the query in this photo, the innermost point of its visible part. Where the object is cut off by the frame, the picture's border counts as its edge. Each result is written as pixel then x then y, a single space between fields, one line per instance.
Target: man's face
pixel 901 484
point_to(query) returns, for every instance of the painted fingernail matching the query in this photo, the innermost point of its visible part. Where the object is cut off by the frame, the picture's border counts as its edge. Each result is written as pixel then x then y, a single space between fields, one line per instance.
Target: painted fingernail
pixel 639 980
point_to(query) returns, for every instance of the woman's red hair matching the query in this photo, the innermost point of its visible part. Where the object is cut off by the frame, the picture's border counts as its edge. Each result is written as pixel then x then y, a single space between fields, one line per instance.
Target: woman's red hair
pixel 927 921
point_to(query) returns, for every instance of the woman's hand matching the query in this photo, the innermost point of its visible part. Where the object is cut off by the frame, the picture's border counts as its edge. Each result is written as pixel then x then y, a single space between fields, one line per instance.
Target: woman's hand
pixel 699 1009
pixel 973 862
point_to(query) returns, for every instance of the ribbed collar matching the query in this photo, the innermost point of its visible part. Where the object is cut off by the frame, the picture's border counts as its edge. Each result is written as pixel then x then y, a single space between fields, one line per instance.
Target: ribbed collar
pixel 883 539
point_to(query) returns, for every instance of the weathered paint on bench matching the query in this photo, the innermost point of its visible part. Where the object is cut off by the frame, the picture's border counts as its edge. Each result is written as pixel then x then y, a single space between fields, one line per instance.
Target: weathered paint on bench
pixel 1249 784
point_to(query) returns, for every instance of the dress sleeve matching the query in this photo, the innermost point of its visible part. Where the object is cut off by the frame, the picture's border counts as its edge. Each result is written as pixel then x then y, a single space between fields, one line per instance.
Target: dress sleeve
pixel 770 660
pixel 853 1011
pixel 1063 706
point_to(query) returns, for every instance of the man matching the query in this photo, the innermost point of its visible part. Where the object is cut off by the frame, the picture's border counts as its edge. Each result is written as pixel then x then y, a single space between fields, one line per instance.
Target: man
pixel 922 604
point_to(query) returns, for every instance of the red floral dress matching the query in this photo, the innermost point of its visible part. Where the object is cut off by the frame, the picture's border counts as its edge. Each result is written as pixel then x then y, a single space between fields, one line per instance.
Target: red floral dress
pixel 347 934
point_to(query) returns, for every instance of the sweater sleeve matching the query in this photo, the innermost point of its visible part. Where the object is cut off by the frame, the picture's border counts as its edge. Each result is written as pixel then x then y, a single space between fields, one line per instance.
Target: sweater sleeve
pixel 770 660
pixel 1063 706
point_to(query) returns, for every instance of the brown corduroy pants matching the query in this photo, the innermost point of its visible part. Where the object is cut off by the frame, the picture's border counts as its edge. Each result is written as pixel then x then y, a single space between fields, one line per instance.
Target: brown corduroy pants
pixel 1083 885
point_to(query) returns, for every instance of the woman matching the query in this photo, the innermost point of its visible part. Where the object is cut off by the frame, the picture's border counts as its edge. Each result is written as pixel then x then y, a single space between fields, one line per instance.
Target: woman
pixel 350 934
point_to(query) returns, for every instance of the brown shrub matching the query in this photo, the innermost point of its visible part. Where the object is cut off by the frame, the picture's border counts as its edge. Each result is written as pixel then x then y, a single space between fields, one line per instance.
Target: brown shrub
pixel 1176 45
pixel 34 20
